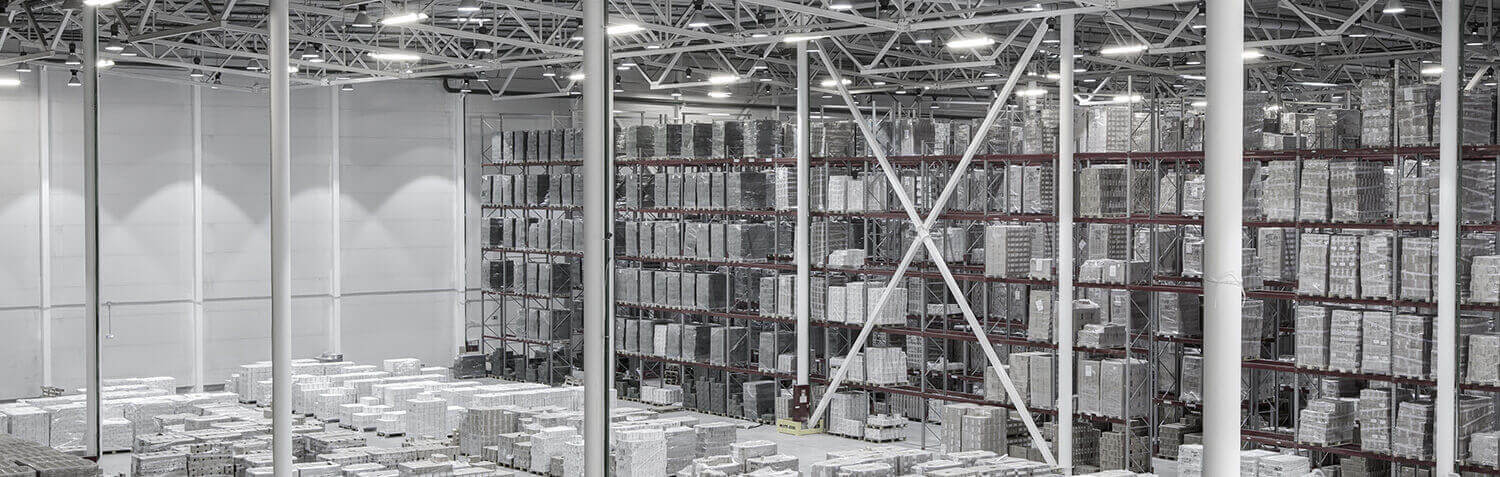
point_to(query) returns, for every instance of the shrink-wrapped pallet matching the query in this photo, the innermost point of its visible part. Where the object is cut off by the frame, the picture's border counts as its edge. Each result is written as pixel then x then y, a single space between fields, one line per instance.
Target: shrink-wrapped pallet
pixel 1312 268
pixel 1411 345
pixel 1313 193
pixel 1343 266
pixel 1312 338
pixel 1417 260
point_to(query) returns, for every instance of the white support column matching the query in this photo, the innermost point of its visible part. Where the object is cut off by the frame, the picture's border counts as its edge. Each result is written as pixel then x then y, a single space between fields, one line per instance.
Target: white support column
pixel 1222 288
pixel 336 225
pixel 91 437
pixel 44 219
pixel 803 233
pixel 598 213
pixel 281 256
pixel 197 316
pixel 460 227
pixel 1065 246
pixel 1446 405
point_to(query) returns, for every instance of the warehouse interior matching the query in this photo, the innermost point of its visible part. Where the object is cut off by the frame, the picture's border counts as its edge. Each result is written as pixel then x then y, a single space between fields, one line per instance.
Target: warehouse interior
pixel 772 238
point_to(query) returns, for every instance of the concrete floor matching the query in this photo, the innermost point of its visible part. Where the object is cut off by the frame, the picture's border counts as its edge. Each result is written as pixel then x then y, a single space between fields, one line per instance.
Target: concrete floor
pixel 808 449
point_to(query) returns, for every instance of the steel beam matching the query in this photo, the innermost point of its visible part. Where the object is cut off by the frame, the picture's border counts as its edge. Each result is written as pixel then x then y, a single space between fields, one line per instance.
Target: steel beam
pixel 803 234
pixel 923 238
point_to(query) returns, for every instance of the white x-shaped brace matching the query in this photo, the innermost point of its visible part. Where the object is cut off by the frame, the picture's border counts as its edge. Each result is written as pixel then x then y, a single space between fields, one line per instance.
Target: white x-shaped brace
pixel 923 238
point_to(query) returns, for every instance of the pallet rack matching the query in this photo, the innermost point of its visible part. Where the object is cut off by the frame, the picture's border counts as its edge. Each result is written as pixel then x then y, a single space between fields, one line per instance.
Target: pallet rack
pixel 1276 410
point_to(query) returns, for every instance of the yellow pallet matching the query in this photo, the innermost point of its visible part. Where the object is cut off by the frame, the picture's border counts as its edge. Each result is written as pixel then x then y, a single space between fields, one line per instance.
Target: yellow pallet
pixel 795 428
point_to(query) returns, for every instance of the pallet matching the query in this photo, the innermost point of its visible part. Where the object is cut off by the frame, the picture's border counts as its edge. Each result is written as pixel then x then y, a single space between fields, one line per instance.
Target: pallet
pixel 795 428
pixel 1343 370
pixel 393 434
pixel 1333 444
pixel 113 452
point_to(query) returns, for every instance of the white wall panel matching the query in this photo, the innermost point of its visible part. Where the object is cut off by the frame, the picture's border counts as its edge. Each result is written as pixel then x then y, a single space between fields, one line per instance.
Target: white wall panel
pixel 397 149
pixel 20 184
pixel 415 325
pixel 21 354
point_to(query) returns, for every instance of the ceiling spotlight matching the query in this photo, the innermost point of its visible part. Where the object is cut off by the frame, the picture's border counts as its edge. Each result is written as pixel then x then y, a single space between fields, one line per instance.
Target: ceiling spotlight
pixel 840 5
pixel 362 19
pixel 921 38
pixel 549 72
pixel 576 76
pixel 1432 70
pixel 1052 37
pixel 1317 84
pixel 468 6
pixel 215 84
pixel 1031 92
pixel 971 42
pixel 403 18
pixel 878 83
pixel 1358 35
pixel 10 82
pixel 619 85
pixel 104 63
pixel 676 94
pixel 1122 50
pixel 1252 54
pixel 1035 7
pixel 723 78
pixel 760 65
pixel 483 47
pixel 1127 98
pixel 698 21
pixel 73 80
pixel 1200 104
pixel 395 56
pixel 719 94
pixel 314 54
pixel 900 91
pixel 828 83
pixel 196 73
pixel 576 36
pixel 1193 77
pixel 100 3
pixel 623 28
pixel 466 88
pixel 1393 7
pixel 73 59
pixel 253 66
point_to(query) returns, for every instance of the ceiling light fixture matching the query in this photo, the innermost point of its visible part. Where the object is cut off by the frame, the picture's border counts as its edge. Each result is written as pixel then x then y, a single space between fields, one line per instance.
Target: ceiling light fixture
pixel 576 76
pixel 104 63
pixel 1317 84
pixel 468 5
pixel 840 5
pixel 1252 54
pixel 73 59
pixel 1035 7
pixel 971 42
pixel 403 18
pixel 23 68
pixel 800 38
pixel 623 28
pixel 723 78
pixel 698 21
pixel 73 80
pixel 346 88
pixel 1193 77
pixel 1393 7
pixel 1122 50
pixel 100 3
pixel 1052 37
pixel 395 56
pixel 549 72
pixel 922 38
pixel 1031 92
pixel 719 94
pixel 828 83
pixel 483 47
pixel 362 19
pixel 1432 70
pixel 1200 104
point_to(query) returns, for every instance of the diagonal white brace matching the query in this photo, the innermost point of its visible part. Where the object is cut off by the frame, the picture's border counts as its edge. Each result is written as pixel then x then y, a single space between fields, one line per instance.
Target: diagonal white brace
pixel 924 239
